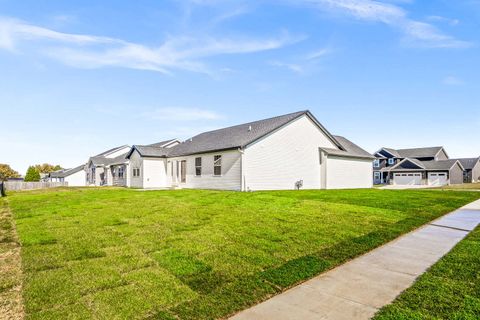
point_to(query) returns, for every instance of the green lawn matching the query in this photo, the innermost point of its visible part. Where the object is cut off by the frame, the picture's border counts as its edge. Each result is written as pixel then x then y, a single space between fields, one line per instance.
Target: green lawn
pixel 191 254
pixel 449 290
pixel 465 186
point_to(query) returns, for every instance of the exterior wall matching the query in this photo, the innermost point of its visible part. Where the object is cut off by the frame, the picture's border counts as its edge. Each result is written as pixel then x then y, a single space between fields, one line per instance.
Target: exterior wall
pixel 135 162
pixel 229 180
pixel 77 179
pixel 476 173
pixel 115 179
pixel 456 175
pixel 441 155
pixel 154 173
pixel 348 173
pixel 286 156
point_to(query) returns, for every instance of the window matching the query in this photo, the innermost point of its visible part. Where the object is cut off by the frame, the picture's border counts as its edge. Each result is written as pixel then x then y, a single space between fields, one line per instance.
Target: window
pixel 377 175
pixel 198 166
pixel 376 163
pixel 391 161
pixel 120 172
pixel 217 165
pixel 136 172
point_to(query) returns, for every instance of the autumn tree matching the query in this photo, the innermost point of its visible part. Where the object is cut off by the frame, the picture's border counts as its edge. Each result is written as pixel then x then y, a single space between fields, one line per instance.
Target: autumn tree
pixel 6 172
pixel 32 174
pixel 47 168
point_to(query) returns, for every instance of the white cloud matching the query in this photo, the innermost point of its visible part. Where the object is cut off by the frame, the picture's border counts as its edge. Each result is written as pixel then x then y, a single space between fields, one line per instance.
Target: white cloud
pixel 416 32
pixel 89 51
pixel 181 114
pixel 452 81
pixel 296 68
pixel 452 22
pixel 318 54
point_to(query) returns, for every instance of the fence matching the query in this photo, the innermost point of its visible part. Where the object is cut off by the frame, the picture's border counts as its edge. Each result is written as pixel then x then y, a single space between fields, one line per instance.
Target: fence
pixel 21 185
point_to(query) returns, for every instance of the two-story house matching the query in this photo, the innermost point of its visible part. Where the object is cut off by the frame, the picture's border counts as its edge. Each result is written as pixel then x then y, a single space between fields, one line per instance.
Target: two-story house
pixel 417 166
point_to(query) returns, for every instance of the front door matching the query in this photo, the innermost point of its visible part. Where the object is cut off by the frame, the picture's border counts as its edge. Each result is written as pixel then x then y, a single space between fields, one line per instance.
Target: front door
pixel 183 171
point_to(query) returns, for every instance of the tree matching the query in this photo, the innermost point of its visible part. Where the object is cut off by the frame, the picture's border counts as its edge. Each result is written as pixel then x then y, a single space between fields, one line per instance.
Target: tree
pixel 47 168
pixel 6 172
pixel 32 174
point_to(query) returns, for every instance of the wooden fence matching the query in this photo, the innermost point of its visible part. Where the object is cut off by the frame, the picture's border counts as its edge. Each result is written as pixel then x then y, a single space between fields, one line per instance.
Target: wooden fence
pixel 21 185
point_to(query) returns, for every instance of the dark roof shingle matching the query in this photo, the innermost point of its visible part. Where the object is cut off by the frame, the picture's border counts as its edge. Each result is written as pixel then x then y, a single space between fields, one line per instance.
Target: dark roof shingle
pixel 237 136
pixel 351 149
pixel 469 163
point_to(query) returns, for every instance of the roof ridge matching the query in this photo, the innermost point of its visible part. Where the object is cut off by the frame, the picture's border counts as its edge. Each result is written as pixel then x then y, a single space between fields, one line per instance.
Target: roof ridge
pixel 246 123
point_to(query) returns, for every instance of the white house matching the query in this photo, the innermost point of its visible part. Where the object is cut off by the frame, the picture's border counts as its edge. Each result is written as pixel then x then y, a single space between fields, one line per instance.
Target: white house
pixel 75 177
pixel 108 168
pixel 281 153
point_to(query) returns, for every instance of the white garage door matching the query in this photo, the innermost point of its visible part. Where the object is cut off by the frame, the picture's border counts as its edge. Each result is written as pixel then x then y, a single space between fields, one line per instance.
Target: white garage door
pixel 437 179
pixel 407 178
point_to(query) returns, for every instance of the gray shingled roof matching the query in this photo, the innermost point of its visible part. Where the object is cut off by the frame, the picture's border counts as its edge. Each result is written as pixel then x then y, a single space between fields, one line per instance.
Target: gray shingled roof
pixel 414 152
pixel 392 151
pixel 419 152
pixel 439 165
pixel 109 151
pixel 104 161
pixel 425 165
pixel 161 143
pixel 351 149
pixel 149 151
pixel 237 136
pixel 469 163
pixel 66 172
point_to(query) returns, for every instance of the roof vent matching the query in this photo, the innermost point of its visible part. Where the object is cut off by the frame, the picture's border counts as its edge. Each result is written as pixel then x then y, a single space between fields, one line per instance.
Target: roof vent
pixel 191 139
pixel 249 128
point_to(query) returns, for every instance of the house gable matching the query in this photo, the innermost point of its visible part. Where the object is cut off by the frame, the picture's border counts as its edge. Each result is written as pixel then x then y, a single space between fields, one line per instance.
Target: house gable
pixel 407 164
pixel 442 155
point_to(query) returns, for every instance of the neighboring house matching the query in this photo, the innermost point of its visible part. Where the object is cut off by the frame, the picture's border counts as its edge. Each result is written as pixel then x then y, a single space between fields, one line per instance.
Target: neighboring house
pixel 75 177
pixel 472 169
pixel 109 168
pixel 418 166
pixel 148 165
pixel 285 152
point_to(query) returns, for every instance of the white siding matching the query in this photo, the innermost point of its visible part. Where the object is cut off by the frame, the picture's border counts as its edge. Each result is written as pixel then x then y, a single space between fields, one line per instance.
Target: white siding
pixel 77 179
pixel 109 176
pixel 229 180
pixel 136 162
pixel 288 155
pixel 154 173
pixel 345 173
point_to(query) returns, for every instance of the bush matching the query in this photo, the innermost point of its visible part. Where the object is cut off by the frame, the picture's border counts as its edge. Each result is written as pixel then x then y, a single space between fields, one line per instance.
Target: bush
pixel 32 175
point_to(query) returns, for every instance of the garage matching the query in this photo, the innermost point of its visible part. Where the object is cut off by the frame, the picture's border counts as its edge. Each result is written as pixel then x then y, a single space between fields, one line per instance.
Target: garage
pixel 407 179
pixel 437 178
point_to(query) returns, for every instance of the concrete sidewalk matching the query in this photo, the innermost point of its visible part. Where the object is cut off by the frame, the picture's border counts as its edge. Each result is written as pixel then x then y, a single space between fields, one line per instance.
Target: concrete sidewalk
pixel 359 288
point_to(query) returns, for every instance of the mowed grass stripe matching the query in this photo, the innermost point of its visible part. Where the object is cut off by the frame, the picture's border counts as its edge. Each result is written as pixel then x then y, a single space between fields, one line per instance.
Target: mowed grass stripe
pixel 117 253
pixel 449 290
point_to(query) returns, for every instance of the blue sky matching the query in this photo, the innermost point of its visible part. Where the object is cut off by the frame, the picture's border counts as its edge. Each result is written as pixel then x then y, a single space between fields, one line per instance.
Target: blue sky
pixel 78 77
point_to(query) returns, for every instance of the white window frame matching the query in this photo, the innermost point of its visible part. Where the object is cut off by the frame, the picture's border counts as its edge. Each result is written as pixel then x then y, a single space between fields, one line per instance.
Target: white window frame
pixel 377 175
pixel 136 172
pixel 198 167
pixel 217 163
pixel 376 163
pixel 391 161
pixel 121 172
